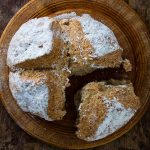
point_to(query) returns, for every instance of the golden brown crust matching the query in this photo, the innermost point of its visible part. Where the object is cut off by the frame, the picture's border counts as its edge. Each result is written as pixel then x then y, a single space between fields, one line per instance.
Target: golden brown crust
pixel 79 47
pixel 125 96
pixel 56 103
pixel 92 110
pixel 30 75
pixel 111 60
pixel 96 111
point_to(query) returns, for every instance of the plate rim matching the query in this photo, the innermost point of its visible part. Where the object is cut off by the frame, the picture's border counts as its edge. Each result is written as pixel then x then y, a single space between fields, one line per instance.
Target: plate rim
pixel 117 136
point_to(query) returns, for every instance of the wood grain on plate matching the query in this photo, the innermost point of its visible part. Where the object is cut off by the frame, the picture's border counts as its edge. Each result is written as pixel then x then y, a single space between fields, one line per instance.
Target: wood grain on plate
pixel 132 36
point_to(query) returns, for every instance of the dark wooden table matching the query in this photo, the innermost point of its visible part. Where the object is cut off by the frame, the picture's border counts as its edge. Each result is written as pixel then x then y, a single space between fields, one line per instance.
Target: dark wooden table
pixel 14 138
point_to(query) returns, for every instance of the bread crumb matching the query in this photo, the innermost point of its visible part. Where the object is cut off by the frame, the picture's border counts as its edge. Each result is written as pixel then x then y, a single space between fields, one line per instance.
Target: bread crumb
pixel 127 65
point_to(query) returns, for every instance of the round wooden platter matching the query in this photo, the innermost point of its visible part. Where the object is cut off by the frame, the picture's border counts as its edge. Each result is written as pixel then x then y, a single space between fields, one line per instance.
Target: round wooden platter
pixel 132 36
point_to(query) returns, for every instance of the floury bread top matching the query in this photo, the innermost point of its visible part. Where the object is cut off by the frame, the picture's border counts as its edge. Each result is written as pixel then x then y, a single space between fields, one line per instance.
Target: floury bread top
pixel 45 52
pixel 32 40
pixel 39 43
pixel 41 93
pixel 104 108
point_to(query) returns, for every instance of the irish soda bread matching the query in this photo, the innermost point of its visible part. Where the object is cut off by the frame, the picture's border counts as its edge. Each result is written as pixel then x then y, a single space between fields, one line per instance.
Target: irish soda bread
pixel 104 108
pixel 45 52
pixel 91 44
pixel 36 44
pixel 41 93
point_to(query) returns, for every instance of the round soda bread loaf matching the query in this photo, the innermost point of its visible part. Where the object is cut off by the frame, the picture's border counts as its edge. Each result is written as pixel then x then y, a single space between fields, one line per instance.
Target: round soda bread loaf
pixel 104 107
pixel 45 52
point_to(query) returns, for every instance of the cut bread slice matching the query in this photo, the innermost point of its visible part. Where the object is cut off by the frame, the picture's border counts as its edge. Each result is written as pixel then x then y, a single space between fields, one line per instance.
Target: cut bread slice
pixel 91 45
pixel 37 44
pixel 104 107
pixel 40 93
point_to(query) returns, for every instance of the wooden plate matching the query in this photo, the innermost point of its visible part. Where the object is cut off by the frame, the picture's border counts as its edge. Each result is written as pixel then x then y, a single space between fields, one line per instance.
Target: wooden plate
pixel 132 36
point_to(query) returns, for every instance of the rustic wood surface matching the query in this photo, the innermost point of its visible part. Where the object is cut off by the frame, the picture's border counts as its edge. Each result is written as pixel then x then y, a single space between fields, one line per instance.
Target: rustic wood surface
pixel 12 137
